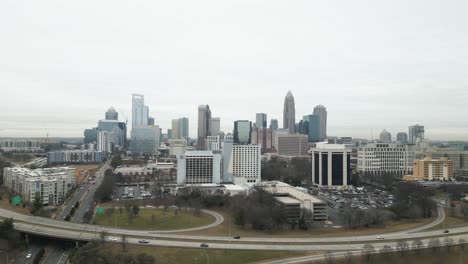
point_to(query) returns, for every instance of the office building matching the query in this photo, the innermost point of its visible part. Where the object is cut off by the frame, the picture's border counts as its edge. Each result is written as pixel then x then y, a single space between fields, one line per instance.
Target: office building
pixel 215 126
pixel 213 143
pixel 276 133
pixel 50 184
pixel 242 132
pixel 456 145
pixel 175 129
pixel 177 147
pixel 184 128
pixel 20 145
pixel 87 156
pixel 433 169
pixel 111 114
pixel 90 135
pixel 263 137
pixel 169 133
pixel 150 121
pixel 204 125
pixel 459 159
pixel 402 137
pixel 416 134
pixel 105 141
pixel 117 130
pixel 331 165
pixel 289 113
pixel 198 167
pixel 310 126
pixel 274 124
pixel 293 200
pixel 145 139
pixel 385 137
pixel 293 145
pixel 261 120
pixel 227 145
pixel 246 164
pixel 140 112
pixel 321 111
pixel 379 158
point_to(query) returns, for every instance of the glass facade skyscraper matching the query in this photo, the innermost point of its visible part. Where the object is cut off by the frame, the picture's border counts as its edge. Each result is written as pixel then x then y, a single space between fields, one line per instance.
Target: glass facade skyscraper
pixel 242 132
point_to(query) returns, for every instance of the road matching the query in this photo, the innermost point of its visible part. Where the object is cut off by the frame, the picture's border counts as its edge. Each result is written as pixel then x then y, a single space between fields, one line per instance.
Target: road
pixel 84 195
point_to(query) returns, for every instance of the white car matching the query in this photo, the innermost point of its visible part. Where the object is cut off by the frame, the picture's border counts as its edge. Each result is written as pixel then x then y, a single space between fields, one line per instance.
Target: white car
pixel 112 239
pixel 29 255
pixel 380 237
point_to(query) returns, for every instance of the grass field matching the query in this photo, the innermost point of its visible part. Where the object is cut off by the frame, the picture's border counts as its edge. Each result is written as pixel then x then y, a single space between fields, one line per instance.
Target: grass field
pixel 450 222
pixel 153 219
pixel 230 229
pixel 427 256
pixel 166 255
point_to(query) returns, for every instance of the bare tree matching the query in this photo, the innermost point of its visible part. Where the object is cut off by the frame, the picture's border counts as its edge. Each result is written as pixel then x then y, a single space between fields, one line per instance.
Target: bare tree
pixel 434 244
pixel 386 250
pixel 448 242
pixel 402 247
pixel 124 242
pixel 461 243
pixel 102 237
pixel 367 251
pixel 418 245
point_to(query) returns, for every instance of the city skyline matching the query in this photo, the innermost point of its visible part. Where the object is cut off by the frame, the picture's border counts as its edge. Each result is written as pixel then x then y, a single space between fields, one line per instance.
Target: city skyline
pixel 80 64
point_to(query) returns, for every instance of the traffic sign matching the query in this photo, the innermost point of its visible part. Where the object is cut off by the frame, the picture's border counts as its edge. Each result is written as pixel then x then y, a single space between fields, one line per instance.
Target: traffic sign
pixel 17 200
pixel 100 210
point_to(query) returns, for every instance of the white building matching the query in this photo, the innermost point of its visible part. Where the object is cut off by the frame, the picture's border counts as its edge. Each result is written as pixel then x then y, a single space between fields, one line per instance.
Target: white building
pixel 379 158
pixel 213 143
pixel 24 145
pixel 51 184
pixel 245 164
pixel 331 165
pixel 146 170
pixel 198 167
pixel 177 147
pixel 104 141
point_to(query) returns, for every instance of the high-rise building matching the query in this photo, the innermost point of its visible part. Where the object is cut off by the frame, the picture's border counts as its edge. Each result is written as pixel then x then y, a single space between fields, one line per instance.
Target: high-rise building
pixel 429 169
pixel 402 137
pixel 215 126
pixel 145 139
pixel 246 164
pixel 416 134
pixel 176 129
pixel 204 125
pixel 213 143
pixel 150 121
pixel 242 132
pixel 226 153
pixel 276 134
pixel 331 165
pixel 289 113
pixel 140 112
pixel 310 126
pixel 184 128
pixel 169 133
pixel 198 167
pixel 379 158
pixel 105 141
pixel 90 135
pixel 385 137
pixel 118 130
pixel 321 111
pixel 263 137
pixel 261 120
pixel 274 124
pixel 111 114
pixel 293 145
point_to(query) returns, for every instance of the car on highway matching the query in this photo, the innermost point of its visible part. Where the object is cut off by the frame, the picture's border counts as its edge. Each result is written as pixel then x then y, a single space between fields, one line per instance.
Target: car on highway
pixel 237 237
pixel 380 237
pixel 143 241
pixel 203 245
pixel 112 238
pixel 29 255
pixel 446 232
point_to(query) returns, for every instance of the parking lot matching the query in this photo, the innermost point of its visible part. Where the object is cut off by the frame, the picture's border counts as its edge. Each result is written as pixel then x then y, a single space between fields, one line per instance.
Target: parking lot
pixel 133 192
pixel 364 198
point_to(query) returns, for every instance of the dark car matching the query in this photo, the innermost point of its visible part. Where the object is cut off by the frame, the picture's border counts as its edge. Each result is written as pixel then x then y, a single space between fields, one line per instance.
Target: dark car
pixel 203 245
pixel 144 241
pixel 446 232
pixel 237 237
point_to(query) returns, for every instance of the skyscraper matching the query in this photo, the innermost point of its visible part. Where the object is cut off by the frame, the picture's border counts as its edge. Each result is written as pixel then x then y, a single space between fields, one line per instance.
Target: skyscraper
pixel 385 137
pixel 402 137
pixel 204 125
pixel 175 129
pixel 111 114
pixel 321 111
pixel 151 121
pixel 311 127
pixel 215 126
pixel 184 128
pixel 261 120
pixel 139 111
pixel 242 132
pixel 289 113
pixel 274 124
pixel 415 132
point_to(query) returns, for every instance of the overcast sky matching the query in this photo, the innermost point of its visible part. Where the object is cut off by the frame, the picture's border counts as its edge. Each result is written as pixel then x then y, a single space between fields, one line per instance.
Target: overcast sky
pixel 373 64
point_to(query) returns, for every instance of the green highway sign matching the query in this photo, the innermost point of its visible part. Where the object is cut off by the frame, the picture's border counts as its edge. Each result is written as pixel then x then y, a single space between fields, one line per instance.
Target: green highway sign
pixel 17 200
pixel 100 210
